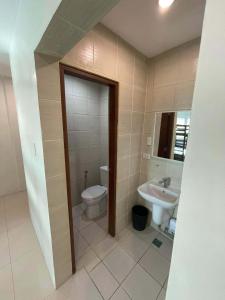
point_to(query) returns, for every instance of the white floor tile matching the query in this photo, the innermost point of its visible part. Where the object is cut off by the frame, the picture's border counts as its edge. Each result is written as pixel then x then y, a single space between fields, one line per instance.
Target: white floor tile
pixel 31 277
pixel 103 222
pixel 2 217
pixel 6 283
pixel 166 248
pixel 16 209
pixel 80 245
pixel 119 263
pixel 93 234
pixel 104 281
pixel 156 265
pixel 120 294
pixel 148 235
pixel 140 285
pixel 126 231
pixel 4 249
pixel 80 287
pixel 26 242
pixel 105 247
pixel 81 221
pixel 165 284
pixel 57 295
pixel 134 246
pixel 162 295
pixel 88 261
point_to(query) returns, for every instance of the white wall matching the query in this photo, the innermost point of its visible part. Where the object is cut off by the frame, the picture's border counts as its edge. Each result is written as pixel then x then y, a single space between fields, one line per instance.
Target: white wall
pixel 29 28
pixel 198 262
pixel 11 171
pixel 87 117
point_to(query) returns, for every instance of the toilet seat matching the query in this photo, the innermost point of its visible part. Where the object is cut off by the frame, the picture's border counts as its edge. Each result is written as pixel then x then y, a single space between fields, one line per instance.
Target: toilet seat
pixel 93 194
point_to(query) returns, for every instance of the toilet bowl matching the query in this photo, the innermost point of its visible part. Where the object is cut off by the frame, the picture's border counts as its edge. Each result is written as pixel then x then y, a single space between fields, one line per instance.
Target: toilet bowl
pixel 95 197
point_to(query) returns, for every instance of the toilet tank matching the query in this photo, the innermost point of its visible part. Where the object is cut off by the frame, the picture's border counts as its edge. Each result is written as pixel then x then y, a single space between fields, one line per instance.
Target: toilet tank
pixel 104 173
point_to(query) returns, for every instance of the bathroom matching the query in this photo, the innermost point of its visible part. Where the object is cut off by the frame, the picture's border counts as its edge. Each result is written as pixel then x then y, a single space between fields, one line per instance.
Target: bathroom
pixel 149 89
pixel 87 127
pixel 102 104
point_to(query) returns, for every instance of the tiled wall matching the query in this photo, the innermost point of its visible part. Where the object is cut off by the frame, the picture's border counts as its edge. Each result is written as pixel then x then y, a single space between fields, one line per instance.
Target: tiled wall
pixel 11 170
pixel 170 86
pixel 87 115
pixel 60 26
pixel 171 78
pixel 104 53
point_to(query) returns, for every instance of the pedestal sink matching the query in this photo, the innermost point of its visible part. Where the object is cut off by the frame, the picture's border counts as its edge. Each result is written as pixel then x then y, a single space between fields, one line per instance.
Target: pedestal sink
pixel 161 199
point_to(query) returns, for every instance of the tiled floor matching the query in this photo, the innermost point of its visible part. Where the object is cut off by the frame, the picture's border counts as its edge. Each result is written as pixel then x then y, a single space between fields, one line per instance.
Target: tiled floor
pixel 128 267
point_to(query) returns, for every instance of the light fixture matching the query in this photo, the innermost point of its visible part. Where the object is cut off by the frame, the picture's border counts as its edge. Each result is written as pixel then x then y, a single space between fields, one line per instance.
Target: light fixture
pixel 165 3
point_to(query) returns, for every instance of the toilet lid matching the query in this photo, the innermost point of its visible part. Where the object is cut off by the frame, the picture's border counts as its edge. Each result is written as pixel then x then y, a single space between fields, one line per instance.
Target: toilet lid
pixel 93 192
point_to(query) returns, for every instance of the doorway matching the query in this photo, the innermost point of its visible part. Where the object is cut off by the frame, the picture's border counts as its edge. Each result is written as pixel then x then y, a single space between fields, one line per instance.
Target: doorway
pixel 76 195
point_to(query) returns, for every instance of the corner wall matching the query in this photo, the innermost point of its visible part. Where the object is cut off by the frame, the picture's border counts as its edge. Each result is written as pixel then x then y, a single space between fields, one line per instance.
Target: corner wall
pixel 29 29
pixel 103 53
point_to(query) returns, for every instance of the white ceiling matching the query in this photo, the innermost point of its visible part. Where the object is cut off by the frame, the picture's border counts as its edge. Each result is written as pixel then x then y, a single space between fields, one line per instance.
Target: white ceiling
pixel 8 13
pixel 152 30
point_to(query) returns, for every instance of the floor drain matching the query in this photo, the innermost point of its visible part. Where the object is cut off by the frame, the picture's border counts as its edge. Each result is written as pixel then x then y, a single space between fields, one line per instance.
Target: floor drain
pixel 157 243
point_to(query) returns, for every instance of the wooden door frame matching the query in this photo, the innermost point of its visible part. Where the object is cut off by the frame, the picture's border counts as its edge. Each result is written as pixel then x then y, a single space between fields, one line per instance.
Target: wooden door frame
pixel 113 121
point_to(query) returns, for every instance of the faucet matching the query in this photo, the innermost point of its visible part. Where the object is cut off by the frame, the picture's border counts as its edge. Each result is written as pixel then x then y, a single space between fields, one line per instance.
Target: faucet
pixel 165 181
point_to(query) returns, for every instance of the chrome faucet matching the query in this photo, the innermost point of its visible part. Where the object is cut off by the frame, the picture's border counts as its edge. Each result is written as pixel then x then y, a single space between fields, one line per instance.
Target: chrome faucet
pixel 165 181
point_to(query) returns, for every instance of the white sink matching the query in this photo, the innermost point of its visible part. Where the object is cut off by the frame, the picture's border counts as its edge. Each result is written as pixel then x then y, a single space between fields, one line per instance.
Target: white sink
pixel 161 199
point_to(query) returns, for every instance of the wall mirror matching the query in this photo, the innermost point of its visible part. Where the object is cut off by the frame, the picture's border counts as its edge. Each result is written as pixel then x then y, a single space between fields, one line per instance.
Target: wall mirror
pixel 171 132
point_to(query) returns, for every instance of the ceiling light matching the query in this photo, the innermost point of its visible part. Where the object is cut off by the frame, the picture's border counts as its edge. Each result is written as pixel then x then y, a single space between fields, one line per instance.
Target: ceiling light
pixel 165 3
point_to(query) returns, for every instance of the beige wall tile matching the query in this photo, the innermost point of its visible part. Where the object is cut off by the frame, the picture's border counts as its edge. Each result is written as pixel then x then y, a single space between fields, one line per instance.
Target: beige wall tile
pixel 123 145
pixel 136 143
pixel 54 158
pixel 122 189
pixel 188 59
pixel 124 125
pixel 166 69
pixel 133 183
pixel 139 95
pixel 105 51
pixel 125 63
pixel 51 119
pixel 140 74
pixel 163 98
pixel 135 164
pixel 125 97
pixel 83 54
pixel 122 168
pixel 149 121
pixel 56 189
pixel 183 96
pixel 137 122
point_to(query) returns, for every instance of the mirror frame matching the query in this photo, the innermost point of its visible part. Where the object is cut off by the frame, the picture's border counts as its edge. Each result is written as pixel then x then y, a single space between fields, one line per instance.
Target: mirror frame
pixel 153 136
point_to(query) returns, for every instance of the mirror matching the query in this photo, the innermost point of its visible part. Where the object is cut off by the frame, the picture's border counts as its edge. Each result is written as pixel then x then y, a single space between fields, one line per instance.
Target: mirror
pixel 171 132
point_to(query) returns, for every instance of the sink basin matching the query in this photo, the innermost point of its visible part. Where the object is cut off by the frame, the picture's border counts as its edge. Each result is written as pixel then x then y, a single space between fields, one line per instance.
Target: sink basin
pixel 161 199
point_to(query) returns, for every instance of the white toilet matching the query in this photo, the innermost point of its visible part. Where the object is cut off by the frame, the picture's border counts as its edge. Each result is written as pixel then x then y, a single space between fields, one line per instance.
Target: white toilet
pixel 95 197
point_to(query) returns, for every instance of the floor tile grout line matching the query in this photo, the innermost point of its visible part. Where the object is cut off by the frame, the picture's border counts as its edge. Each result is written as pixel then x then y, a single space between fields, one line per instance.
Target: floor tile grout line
pixel 95 284
pixel 101 260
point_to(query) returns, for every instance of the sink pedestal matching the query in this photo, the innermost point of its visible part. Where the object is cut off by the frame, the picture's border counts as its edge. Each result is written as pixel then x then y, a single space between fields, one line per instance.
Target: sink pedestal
pixel 157 214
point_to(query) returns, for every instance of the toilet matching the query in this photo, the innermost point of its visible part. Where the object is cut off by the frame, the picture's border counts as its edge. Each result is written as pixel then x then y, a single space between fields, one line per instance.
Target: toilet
pixel 95 197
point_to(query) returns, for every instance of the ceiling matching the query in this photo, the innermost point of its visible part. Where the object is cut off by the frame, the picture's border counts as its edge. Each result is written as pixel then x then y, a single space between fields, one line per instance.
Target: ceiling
pixel 8 13
pixel 152 30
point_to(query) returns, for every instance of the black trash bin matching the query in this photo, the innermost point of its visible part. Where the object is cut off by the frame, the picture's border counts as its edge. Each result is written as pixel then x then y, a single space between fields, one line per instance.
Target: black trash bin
pixel 139 217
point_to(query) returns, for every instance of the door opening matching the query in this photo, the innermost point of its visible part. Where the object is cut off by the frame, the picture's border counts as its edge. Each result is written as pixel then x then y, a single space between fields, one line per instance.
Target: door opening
pixel 83 134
